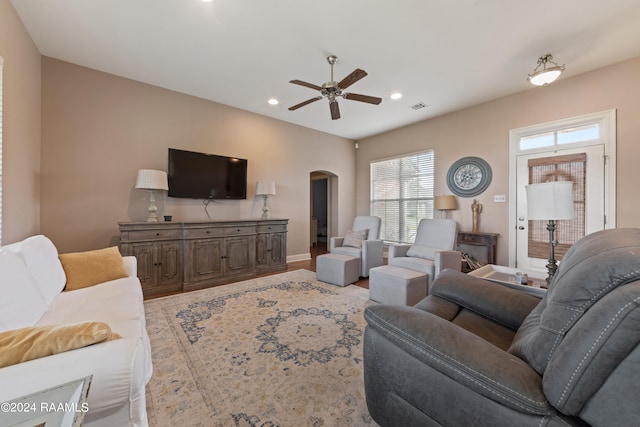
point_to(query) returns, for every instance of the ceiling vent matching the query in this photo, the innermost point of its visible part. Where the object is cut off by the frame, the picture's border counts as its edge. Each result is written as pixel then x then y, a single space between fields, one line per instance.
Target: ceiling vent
pixel 419 106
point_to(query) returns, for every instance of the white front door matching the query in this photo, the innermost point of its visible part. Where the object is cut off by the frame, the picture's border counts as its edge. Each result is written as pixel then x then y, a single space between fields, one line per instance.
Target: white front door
pixel 590 220
pixel 581 149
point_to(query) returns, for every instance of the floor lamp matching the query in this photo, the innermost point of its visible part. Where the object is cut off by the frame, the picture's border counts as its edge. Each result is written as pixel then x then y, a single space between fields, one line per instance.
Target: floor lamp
pixel 152 180
pixel 550 201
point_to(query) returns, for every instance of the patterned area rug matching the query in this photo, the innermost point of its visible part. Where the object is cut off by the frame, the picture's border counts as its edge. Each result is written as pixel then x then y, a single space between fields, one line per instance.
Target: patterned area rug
pixel 283 350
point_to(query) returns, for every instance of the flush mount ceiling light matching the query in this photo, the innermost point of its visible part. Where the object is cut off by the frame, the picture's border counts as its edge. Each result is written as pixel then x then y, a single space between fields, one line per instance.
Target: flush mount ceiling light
pixel 273 101
pixel 543 74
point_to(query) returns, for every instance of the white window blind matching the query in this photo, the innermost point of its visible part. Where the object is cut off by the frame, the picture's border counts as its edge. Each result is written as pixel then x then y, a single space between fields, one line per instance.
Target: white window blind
pixel 402 194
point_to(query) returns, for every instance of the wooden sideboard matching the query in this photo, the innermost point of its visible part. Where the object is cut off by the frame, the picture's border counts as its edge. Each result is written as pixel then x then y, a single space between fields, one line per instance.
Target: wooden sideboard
pixel 177 256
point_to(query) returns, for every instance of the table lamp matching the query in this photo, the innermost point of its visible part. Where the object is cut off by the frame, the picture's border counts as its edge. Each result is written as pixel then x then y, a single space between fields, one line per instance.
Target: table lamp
pixel 550 201
pixel 445 203
pixel 152 180
pixel 265 189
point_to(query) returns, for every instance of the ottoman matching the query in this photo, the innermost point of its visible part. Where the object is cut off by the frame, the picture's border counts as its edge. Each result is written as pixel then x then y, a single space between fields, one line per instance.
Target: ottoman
pixel 337 269
pixel 389 284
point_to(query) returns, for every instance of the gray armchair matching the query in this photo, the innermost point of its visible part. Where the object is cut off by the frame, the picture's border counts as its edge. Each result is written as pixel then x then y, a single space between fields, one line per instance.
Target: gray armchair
pixel 475 353
pixel 432 251
pixel 370 252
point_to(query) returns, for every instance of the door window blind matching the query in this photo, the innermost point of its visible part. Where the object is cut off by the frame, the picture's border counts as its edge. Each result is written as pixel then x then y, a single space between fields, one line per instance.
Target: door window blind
pixel 571 167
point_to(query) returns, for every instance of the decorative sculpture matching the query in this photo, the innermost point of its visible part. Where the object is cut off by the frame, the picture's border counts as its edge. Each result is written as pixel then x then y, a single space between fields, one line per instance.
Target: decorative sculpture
pixel 476 209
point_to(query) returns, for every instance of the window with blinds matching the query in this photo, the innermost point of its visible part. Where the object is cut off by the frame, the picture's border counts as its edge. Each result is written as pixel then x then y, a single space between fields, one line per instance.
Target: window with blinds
pixel 402 194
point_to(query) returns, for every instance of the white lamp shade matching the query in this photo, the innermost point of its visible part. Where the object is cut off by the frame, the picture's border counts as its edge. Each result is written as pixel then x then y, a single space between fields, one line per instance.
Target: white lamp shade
pixel 149 179
pixel 445 203
pixel 266 188
pixel 550 200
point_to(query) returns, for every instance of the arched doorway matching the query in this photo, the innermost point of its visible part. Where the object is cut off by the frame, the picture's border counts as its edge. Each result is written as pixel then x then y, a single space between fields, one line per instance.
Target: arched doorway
pixel 323 207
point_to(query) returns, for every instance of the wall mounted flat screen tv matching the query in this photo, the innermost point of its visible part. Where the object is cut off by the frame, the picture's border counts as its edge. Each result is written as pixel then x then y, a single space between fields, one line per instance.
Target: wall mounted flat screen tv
pixel 206 176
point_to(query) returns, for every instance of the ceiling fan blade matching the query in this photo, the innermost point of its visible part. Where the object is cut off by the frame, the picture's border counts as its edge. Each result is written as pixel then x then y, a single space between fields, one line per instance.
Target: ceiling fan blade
pixel 335 110
pixel 352 78
pixel 363 98
pixel 302 104
pixel 305 84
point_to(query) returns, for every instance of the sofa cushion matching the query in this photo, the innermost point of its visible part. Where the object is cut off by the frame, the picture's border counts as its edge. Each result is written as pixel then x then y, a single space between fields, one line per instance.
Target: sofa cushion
pixel 109 302
pixel 41 257
pixel 354 238
pixel 25 344
pixel 413 263
pixel 420 251
pixel 84 269
pixel 21 303
pixel 602 262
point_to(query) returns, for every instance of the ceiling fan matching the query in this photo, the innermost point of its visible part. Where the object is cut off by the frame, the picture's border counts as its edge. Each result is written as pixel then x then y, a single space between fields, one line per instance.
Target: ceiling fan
pixel 332 90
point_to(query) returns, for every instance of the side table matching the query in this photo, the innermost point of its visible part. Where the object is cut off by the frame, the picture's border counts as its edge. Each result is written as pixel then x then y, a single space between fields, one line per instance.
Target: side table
pixel 481 246
pixel 64 405
pixel 506 276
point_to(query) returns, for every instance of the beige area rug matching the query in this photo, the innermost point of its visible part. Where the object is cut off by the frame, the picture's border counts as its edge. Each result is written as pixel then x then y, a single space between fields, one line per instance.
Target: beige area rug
pixel 283 350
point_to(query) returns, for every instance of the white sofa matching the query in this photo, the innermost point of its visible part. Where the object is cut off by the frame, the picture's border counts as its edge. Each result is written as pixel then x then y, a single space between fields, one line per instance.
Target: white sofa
pixel 31 284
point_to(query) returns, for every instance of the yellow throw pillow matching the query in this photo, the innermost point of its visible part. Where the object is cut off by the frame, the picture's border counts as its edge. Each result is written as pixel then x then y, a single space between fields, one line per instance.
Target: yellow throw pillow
pixel 21 345
pixel 84 269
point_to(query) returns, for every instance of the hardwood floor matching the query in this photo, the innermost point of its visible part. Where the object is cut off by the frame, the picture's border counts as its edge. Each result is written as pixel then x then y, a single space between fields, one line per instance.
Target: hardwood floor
pixel 319 249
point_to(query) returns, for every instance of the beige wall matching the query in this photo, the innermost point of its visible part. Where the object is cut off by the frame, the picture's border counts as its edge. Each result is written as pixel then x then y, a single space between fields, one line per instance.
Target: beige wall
pixel 98 130
pixel 20 128
pixel 483 131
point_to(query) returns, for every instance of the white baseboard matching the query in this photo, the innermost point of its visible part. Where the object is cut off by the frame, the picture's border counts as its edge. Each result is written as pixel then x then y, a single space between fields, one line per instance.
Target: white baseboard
pixel 299 257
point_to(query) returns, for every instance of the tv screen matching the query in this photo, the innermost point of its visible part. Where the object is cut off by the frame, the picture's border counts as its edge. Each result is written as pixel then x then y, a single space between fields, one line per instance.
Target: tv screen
pixel 206 176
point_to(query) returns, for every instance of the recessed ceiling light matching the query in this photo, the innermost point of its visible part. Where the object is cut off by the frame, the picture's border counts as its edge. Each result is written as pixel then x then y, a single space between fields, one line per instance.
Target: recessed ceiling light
pixel 396 95
pixel 207 1
pixel 273 101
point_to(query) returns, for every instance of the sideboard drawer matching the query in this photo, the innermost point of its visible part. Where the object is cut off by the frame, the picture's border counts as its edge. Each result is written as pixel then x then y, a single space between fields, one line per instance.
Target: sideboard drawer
pixel 202 233
pixel 273 228
pixel 239 230
pixel 155 234
pixel 472 238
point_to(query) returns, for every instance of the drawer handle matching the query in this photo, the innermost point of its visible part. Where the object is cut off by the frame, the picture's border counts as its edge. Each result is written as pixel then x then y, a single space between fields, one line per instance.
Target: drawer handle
pixel 238 230
pixel 157 234
pixel 208 231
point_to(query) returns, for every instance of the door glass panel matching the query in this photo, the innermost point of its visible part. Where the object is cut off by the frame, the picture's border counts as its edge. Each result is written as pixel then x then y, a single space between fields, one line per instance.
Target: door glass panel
pixel 578 134
pixel 537 141
pixel 559 168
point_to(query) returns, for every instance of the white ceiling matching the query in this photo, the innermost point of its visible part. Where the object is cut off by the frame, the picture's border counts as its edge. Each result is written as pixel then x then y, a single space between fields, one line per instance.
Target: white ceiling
pixel 448 54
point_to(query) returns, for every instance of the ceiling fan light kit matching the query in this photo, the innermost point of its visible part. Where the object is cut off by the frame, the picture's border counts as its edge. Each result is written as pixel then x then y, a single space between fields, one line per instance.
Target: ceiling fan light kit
pixel 545 75
pixel 332 90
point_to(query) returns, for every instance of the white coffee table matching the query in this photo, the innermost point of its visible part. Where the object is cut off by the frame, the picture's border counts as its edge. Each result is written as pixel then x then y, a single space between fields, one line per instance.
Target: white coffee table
pixel 506 276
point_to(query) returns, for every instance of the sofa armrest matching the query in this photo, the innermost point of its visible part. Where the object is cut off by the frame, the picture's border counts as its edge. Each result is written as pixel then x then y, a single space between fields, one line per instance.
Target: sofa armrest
pixel 130 265
pixel 372 254
pixel 499 303
pixel 398 250
pixel 335 242
pixel 457 354
pixel 448 260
